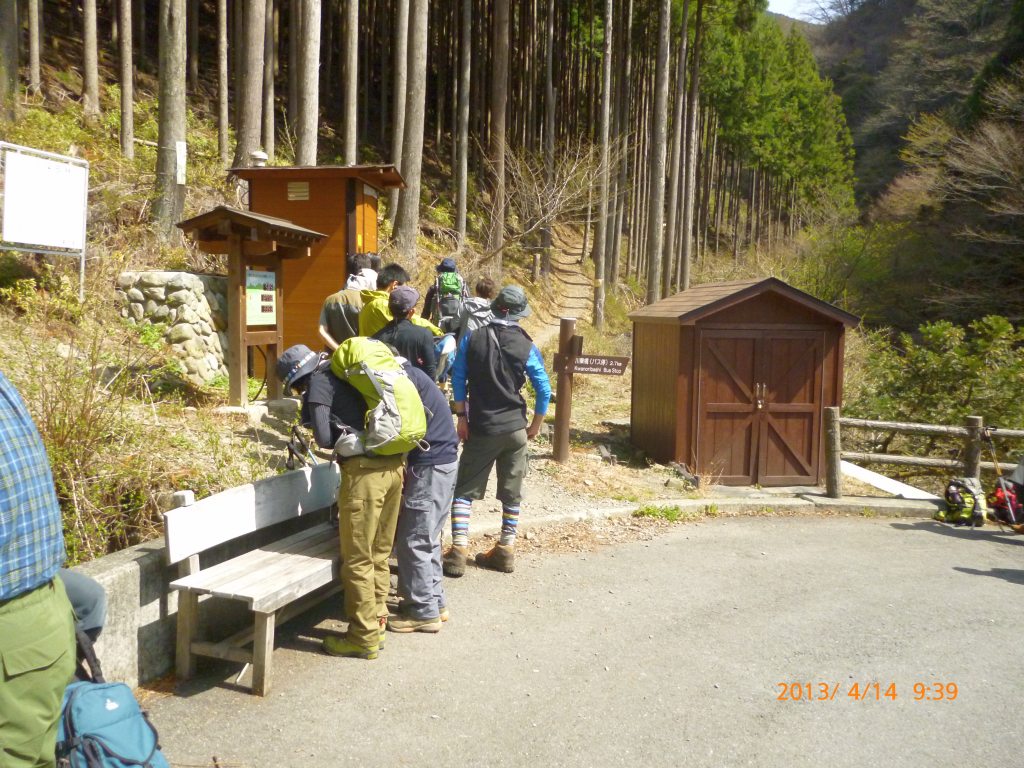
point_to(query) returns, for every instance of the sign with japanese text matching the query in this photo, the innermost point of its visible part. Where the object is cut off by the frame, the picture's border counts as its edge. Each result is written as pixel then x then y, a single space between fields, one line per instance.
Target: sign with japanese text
pixel 260 297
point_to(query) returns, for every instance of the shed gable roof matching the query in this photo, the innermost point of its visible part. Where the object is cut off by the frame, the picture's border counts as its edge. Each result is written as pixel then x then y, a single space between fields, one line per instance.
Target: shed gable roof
pixel 378 176
pixel 702 301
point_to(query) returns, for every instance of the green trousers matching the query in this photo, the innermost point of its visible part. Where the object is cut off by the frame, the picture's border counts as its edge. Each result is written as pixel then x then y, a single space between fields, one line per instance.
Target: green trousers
pixel 37 646
pixel 368 504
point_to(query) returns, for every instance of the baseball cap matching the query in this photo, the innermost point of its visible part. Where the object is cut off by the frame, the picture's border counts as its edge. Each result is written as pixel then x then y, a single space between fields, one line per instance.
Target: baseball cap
pixel 447 265
pixel 403 299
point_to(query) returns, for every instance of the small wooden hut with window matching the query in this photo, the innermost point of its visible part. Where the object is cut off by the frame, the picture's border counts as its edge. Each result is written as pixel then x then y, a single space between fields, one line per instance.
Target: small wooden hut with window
pixel 730 379
pixel 340 201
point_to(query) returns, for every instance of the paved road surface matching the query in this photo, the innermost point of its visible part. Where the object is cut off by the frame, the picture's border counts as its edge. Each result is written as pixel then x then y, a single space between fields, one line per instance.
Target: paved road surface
pixel 663 653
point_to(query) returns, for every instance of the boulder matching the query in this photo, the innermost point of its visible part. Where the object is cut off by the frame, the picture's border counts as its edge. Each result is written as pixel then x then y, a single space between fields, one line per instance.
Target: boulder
pixel 126 280
pixel 181 281
pixel 191 347
pixel 121 295
pixel 213 364
pixel 177 298
pixel 187 315
pixel 155 292
pixel 135 295
pixel 160 313
pixel 136 311
pixel 204 328
pixel 150 307
pixel 179 333
pixel 151 279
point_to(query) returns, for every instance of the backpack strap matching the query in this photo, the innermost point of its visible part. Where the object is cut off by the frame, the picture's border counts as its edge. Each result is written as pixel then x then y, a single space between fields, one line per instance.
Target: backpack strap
pixel 89 652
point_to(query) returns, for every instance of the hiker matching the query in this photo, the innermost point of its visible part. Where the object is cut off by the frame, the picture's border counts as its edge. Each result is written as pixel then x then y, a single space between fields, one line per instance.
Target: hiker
pixel 413 342
pixel 37 633
pixel 375 313
pixel 368 501
pixel 339 318
pixel 476 311
pixel 491 367
pixel 443 303
pixel 361 276
pixel 427 497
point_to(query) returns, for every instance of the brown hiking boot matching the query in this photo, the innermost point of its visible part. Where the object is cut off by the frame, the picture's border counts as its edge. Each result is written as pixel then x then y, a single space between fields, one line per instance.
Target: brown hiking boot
pixel 454 561
pixel 501 558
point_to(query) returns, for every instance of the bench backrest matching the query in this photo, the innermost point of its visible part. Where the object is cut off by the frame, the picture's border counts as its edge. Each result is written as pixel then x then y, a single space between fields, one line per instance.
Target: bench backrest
pixel 247 508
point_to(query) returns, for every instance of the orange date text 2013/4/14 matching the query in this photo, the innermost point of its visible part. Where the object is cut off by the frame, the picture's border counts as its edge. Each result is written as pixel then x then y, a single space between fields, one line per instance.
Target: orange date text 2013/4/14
pixel 864 691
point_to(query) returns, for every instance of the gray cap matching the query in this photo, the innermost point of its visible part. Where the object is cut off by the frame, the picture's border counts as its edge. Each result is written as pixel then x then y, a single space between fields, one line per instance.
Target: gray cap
pixel 403 300
pixel 296 363
pixel 511 304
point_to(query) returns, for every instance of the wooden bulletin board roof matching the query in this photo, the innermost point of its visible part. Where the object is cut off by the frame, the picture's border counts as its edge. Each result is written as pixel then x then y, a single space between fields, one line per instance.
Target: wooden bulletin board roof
pixel 698 303
pixel 378 176
pixel 215 225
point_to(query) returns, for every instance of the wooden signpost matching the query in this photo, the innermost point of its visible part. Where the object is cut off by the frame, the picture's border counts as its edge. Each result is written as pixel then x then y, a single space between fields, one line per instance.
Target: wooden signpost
pixel 255 245
pixel 570 360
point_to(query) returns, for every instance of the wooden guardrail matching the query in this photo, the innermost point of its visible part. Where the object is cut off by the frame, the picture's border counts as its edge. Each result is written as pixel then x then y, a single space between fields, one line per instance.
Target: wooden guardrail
pixel 969 466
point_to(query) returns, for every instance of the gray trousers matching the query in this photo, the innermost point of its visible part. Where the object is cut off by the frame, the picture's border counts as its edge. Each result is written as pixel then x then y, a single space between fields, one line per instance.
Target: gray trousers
pixel 426 500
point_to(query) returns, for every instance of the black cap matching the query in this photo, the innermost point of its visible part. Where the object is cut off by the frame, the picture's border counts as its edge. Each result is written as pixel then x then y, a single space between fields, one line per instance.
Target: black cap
pixel 296 363
pixel 403 300
pixel 511 304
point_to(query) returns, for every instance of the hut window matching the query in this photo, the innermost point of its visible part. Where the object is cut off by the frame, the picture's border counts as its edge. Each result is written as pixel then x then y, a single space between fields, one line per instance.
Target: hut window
pixel 369 191
pixel 298 190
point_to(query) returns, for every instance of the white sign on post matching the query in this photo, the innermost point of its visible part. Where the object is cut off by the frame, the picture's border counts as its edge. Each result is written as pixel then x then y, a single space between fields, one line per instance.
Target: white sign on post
pixel 180 156
pixel 44 203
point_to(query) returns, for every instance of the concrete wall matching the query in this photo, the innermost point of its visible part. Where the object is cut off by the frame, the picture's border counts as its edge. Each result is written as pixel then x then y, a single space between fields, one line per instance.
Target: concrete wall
pixel 193 310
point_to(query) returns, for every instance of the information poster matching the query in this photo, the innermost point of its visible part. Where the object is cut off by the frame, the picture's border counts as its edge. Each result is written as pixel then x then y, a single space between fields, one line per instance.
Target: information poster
pixel 44 202
pixel 260 298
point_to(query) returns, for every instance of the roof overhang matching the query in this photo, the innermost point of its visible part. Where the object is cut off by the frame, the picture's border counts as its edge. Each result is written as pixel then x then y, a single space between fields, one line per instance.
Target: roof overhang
pixel 259 234
pixel 690 312
pixel 380 177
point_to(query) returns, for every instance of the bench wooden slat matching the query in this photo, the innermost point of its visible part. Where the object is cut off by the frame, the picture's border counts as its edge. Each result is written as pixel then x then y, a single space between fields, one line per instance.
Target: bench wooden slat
pixel 225 572
pixel 247 508
pixel 279 574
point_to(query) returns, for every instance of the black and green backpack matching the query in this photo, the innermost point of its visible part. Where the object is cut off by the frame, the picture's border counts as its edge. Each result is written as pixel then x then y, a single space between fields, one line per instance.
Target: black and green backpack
pixel 965 503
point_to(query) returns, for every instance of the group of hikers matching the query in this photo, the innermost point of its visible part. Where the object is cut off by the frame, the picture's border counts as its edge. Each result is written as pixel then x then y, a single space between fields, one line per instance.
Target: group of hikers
pixel 395 495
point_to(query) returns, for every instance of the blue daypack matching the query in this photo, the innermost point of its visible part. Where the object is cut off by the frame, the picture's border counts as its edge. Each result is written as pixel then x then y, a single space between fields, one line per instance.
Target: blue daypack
pixel 102 726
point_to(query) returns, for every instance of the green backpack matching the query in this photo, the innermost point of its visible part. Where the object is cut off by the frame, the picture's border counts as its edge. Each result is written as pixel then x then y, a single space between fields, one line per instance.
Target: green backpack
pixel 395 420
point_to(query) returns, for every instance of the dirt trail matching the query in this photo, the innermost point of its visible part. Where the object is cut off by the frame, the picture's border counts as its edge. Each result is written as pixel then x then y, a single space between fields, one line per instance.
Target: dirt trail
pixel 571 288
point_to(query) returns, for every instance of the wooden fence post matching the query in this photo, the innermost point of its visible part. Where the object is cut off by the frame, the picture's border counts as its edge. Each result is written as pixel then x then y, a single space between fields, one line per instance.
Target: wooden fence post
pixel 563 395
pixel 973 446
pixel 833 454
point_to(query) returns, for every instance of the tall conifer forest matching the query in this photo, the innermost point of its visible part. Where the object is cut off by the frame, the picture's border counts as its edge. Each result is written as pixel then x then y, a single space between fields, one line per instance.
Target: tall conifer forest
pixel 667 131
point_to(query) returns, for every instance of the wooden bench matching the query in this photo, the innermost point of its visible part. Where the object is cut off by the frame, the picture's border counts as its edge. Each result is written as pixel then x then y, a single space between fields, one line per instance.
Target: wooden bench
pixel 277 581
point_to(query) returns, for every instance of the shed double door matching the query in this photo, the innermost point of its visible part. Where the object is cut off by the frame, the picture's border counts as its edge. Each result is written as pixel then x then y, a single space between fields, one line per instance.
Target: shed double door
pixel 759 406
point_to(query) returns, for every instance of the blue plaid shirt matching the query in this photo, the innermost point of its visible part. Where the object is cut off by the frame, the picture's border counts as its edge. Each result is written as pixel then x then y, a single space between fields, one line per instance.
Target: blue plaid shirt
pixel 31 535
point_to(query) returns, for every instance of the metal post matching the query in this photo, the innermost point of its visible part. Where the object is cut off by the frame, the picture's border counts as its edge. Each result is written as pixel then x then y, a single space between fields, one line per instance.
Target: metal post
pixel 563 394
pixel 973 446
pixel 833 454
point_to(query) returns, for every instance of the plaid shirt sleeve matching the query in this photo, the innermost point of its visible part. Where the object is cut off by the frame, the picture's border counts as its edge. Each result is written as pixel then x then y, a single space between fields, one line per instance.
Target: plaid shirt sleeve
pixel 31 535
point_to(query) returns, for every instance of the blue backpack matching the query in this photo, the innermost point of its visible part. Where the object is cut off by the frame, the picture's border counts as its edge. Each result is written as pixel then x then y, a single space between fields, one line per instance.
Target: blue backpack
pixel 102 726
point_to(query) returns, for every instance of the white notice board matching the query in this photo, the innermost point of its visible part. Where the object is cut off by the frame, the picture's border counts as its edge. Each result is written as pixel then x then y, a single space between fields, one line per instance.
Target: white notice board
pixel 44 202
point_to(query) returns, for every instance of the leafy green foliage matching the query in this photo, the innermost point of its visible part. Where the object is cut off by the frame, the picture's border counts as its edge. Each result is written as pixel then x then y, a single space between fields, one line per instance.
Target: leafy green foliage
pixel 947 373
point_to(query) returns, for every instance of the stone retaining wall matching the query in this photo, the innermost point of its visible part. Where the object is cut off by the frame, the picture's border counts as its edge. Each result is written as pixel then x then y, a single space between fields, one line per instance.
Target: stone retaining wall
pixel 193 309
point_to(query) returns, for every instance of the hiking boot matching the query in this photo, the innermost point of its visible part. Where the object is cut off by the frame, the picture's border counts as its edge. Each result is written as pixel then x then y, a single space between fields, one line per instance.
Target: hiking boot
pixel 341 646
pixel 454 561
pixel 403 624
pixel 444 614
pixel 383 623
pixel 501 558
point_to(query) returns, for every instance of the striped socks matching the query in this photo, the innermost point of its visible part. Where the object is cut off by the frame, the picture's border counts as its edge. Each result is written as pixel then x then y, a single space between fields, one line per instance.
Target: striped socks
pixel 509 522
pixel 460 522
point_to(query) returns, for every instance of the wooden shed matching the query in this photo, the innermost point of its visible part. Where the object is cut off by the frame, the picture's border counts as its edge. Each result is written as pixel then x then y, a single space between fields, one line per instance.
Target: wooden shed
pixel 340 201
pixel 730 380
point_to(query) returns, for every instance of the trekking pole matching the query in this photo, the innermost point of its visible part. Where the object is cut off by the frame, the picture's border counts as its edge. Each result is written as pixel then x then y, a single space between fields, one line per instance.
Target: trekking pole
pixel 987 433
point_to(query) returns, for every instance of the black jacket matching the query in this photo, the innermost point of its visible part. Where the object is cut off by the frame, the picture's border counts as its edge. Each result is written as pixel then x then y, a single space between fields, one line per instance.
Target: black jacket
pixel 414 342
